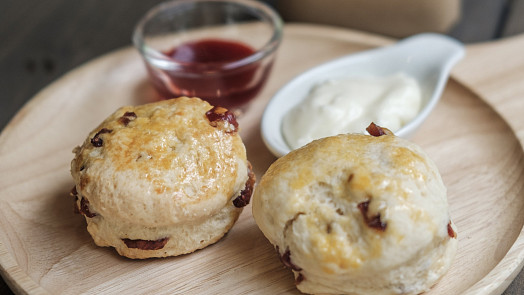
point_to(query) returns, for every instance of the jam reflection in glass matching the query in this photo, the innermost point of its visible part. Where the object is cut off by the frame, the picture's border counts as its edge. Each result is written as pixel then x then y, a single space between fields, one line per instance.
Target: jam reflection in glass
pixel 206 69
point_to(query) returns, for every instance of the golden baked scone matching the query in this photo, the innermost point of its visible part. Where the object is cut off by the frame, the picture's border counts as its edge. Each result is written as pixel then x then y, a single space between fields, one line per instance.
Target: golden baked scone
pixel 358 214
pixel 162 179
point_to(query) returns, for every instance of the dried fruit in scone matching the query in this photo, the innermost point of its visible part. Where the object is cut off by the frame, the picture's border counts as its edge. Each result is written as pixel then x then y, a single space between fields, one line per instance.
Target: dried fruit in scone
pixel 358 214
pixel 162 179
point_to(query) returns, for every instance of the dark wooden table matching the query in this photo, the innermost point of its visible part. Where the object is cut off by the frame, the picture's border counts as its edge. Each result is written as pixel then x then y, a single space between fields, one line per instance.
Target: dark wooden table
pixel 42 40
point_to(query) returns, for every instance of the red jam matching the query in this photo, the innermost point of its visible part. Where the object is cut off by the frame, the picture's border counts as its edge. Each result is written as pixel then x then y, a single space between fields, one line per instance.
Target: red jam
pixel 203 73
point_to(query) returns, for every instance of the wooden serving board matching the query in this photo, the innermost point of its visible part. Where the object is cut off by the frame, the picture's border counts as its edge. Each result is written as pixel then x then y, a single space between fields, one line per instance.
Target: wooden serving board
pixel 474 135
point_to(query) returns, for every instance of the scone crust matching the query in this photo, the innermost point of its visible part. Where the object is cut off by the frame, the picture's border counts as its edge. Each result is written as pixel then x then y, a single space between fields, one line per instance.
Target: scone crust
pixel 357 214
pixel 150 168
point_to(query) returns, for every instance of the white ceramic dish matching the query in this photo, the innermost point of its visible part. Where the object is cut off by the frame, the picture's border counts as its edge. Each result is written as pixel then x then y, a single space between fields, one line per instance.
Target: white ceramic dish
pixel 426 57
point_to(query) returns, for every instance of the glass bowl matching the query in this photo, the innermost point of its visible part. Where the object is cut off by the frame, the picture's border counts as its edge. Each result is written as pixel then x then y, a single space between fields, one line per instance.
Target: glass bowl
pixel 219 50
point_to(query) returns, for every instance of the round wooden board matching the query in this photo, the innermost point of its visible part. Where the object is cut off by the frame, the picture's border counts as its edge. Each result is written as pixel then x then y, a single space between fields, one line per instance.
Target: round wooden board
pixel 45 248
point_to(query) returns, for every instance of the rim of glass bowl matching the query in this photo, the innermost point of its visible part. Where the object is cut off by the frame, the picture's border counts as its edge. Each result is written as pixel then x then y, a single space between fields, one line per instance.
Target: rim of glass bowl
pixel 262 10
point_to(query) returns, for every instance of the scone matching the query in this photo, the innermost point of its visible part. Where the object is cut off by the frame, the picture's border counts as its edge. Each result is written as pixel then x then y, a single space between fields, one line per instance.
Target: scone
pixel 358 214
pixel 162 179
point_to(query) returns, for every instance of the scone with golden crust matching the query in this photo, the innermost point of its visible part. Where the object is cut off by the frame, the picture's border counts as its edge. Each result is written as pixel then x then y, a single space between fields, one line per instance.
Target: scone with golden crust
pixel 162 179
pixel 358 214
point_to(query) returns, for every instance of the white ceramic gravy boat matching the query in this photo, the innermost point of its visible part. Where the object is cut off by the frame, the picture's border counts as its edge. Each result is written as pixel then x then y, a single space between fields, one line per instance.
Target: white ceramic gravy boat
pixel 428 58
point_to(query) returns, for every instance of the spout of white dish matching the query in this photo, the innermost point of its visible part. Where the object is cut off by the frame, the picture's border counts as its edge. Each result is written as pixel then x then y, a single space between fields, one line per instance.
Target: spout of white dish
pixel 432 56
pixel 436 49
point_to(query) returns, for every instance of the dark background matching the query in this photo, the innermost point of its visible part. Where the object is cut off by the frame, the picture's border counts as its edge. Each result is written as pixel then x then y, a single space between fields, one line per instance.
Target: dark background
pixel 42 40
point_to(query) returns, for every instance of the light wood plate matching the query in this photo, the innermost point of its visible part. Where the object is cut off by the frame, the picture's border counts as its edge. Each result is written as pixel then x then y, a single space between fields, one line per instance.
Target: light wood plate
pixel 45 248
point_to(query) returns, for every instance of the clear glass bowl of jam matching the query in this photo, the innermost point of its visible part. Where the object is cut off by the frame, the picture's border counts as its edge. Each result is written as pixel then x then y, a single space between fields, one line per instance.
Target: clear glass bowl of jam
pixel 219 50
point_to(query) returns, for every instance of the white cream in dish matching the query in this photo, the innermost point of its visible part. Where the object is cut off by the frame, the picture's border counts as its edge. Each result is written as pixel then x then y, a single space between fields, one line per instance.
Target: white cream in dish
pixel 349 105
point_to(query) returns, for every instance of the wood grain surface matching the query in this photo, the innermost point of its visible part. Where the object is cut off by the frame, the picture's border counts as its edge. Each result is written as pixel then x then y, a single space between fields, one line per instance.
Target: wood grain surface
pixel 475 136
pixel 495 71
